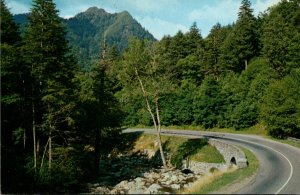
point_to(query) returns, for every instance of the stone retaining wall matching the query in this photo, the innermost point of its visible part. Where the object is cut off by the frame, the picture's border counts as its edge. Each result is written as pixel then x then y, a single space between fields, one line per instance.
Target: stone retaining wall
pixel 204 168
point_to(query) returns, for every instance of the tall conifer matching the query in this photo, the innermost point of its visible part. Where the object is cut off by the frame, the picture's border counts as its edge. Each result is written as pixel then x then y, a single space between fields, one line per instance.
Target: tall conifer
pixel 242 43
pixel 45 51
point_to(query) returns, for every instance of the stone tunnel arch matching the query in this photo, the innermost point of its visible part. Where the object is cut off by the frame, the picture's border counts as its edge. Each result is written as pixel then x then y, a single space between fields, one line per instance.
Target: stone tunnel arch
pixel 233 161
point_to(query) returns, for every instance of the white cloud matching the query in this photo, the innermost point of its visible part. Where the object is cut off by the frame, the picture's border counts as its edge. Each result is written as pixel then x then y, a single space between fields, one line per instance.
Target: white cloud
pixel 16 7
pixel 147 6
pixel 159 27
pixel 67 16
pixel 262 5
pixel 225 12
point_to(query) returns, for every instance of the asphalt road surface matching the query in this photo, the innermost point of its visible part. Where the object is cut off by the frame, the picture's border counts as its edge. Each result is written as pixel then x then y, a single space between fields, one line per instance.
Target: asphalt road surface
pixel 279 171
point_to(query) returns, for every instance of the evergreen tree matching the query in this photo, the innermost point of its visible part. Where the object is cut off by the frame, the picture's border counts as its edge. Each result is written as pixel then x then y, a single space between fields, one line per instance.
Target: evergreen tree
pixel 242 43
pixel 14 140
pixel 45 52
pixel 189 68
pixel 194 40
pixel 212 53
pixel 9 30
pixel 11 75
pixel 102 114
pixel 207 103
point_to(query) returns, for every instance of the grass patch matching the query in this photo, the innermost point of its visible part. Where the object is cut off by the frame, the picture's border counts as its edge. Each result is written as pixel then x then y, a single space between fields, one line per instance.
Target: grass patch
pixel 147 141
pixel 208 154
pixel 187 149
pixel 219 180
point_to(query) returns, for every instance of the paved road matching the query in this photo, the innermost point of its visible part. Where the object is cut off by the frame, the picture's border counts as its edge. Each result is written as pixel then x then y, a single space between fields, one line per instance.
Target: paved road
pixel 279 171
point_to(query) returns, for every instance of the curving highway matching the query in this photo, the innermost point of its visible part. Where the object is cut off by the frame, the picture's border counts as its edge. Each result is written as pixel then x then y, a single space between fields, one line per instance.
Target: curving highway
pixel 279 171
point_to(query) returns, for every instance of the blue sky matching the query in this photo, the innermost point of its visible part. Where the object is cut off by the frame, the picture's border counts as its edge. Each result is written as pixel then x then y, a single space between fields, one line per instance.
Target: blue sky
pixel 160 17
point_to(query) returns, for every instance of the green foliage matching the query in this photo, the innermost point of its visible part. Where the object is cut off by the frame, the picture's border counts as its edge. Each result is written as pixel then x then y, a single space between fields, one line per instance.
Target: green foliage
pixel 144 79
pixel 94 25
pixel 212 54
pixel 242 43
pixel 190 68
pixel 280 37
pixel 280 108
pixel 13 113
pixel 64 176
pixel 207 103
pixel 9 34
pixel 45 51
pixel 177 108
pixel 244 115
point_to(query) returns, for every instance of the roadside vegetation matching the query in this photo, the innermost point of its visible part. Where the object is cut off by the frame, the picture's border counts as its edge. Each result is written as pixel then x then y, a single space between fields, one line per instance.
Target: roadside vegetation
pixel 222 182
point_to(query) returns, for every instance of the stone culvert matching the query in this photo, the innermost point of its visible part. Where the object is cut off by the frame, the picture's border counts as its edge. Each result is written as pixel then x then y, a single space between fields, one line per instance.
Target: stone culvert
pixel 231 153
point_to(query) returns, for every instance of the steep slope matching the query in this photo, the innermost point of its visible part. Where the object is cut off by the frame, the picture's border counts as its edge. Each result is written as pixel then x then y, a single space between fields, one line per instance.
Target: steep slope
pixel 86 32
pixel 123 27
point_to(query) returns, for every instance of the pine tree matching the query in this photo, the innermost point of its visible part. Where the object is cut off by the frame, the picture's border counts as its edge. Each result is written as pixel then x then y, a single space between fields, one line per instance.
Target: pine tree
pixel 177 48
pixel 189 68
pixel 212 53
pixel 13 109
pixel 9 30
pixel 207 103
pixel 242 43
pixel 194 40
pixel 11 75
pixel 46 54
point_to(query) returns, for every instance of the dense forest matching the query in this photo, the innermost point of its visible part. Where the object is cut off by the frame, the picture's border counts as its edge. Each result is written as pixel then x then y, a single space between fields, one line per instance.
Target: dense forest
pixel 58 121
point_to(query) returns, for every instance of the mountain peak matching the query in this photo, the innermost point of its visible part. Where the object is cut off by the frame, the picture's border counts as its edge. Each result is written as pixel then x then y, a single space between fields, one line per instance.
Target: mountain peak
pixel 125 16
pixel 124 13
pixel 95 10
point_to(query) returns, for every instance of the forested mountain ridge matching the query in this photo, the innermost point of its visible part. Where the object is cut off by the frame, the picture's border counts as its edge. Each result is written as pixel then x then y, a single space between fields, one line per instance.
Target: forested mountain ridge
pixel 86 32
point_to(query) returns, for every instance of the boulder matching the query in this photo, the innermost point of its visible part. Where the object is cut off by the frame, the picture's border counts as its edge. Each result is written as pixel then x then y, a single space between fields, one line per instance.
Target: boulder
pixel 154 188
pixel 102 190
pixel 175 186
pixel 168 182
pixel 174 178
pixel 123 184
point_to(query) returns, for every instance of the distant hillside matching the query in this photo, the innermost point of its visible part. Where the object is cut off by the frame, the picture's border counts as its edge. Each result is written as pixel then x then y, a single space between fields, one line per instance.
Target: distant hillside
pixel 87 29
